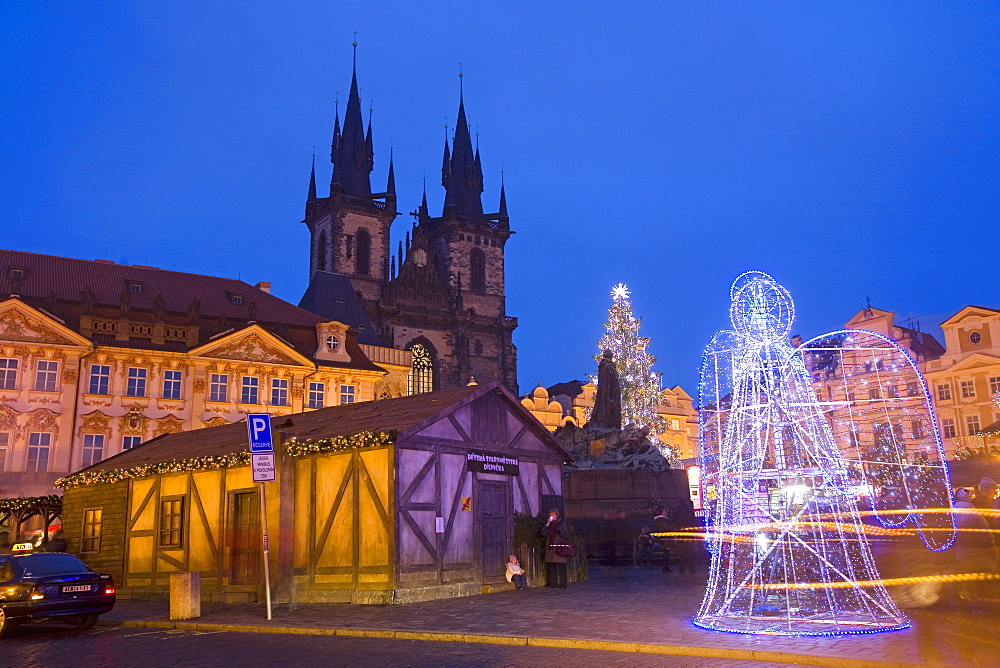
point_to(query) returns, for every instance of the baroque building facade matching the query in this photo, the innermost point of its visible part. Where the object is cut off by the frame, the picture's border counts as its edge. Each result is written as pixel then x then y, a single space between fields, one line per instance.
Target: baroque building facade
pixel 441 296
pixel 573 401
pixel 98 357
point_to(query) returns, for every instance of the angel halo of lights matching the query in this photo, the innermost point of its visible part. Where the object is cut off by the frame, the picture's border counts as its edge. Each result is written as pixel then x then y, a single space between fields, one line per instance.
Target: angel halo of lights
pixel 792 440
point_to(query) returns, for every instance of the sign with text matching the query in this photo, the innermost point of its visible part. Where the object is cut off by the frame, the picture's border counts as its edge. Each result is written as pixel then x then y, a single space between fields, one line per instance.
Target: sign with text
pixel 262 465
pixel 483 462
pixel 259 429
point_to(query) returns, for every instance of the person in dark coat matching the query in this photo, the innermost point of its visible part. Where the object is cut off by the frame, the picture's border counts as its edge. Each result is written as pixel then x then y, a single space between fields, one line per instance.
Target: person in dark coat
pixel 685 521
pixel 556 537
pixel 661 523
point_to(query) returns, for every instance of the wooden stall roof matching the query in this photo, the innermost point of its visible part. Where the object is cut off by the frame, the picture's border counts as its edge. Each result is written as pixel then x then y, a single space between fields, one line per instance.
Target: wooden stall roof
pixel 398 415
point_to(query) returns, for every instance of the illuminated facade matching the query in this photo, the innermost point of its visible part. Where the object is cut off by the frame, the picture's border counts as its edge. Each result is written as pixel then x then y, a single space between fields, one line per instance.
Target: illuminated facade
pixel 965 381
pixel 572 402
pixel 97 357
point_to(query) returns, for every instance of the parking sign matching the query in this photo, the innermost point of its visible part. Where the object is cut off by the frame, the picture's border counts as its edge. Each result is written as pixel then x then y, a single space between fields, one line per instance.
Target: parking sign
pixel 259 429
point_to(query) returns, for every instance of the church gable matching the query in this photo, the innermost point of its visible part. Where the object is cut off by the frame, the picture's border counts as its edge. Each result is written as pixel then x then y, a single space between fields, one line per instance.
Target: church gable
pixel 252 344
pixel 20 322
pixel 970 312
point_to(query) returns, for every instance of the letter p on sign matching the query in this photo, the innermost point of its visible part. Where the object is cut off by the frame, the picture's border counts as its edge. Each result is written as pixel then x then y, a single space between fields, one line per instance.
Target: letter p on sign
pixel 259 428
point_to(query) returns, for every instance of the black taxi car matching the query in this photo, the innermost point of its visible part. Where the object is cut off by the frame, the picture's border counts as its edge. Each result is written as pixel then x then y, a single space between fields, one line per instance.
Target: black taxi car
pixel 51 586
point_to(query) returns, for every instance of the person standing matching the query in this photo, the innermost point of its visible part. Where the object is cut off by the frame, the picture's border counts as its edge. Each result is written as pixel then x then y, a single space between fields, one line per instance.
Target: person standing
pixel 663 526
pixel 557 543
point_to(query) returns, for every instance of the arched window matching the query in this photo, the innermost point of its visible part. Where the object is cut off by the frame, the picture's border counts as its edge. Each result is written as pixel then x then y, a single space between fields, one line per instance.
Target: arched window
pixel 477 267
pixel 362 262
pixel 422 376
pixel 321 252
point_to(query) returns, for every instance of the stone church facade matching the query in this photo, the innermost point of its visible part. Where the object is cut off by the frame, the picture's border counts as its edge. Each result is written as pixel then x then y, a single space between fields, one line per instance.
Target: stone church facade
pixel 442 295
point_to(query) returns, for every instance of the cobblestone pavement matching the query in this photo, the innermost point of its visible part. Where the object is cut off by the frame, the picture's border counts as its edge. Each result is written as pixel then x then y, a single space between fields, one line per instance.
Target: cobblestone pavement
pixel 52 646
pixel 646 607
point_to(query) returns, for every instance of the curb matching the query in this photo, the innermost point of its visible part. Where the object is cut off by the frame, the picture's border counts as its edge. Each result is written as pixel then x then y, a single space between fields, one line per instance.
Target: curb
pixel 561 643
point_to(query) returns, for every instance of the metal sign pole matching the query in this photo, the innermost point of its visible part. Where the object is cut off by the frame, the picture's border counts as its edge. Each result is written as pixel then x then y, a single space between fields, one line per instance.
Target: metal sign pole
pixel 267 566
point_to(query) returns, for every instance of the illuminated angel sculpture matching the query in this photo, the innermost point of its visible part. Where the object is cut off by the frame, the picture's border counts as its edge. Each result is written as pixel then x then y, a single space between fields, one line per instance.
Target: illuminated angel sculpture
pixel 793 440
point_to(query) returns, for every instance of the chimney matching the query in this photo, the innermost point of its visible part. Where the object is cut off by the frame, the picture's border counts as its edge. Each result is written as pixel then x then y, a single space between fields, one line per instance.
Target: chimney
pixel 264 286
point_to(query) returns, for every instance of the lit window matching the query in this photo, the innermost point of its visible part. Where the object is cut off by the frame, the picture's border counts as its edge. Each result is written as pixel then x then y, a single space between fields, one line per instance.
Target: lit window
pixel 249 390
pixel 975 337
pixel 422 376
pixel 171 522
pixel 46 375
pixel 136 386
pixel 218 388
pixel 948 429
pixel 944 392
pixel 279 392
pixel 91 539
pixel 972 425
pixel 968 389
pixel 8 374
pixel 100 378
pixel 171 384
pixel 129 442
pixel 38 452
pixel 93 449
pixel 347 395
pixel 675 424
pixel 316 395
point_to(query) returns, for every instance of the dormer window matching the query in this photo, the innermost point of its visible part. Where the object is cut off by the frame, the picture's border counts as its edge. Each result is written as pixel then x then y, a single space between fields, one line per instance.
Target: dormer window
pixel 235 298
pixel 332 344
pixel 16 273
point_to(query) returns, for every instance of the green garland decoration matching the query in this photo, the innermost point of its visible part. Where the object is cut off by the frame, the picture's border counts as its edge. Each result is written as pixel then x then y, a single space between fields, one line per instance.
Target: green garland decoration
pixel 293 447
pixel 19 503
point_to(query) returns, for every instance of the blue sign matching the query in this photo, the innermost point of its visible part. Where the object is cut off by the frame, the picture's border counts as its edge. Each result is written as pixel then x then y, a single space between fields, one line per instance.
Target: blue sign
pixel 259 428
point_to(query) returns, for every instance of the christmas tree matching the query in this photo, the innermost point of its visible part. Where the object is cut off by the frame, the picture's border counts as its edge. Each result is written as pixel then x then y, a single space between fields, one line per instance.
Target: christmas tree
pixel 640 385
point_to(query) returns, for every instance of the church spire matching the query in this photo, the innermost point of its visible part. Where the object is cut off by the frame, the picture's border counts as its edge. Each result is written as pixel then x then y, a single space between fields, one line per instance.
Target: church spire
pixel 390 184
pixel 423 203
pixel 352 154
pixel 311 195
pixel 503 198
pixel 464 182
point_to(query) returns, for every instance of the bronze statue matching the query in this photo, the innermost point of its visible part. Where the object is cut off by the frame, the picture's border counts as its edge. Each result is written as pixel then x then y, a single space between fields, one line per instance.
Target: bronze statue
pixel 608 402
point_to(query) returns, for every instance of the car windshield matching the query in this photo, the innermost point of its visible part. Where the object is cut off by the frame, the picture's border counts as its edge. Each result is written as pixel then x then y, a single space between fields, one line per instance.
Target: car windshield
pixel 51 564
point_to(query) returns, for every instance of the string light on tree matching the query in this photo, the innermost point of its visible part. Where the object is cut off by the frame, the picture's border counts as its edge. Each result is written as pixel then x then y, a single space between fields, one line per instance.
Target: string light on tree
pixel 640 385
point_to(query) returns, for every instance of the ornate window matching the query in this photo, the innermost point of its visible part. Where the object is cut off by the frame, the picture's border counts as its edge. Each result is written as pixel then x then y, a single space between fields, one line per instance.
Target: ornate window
pixel 38 452
pixel 279 392
pixel 968 389
pixel 948 428
pixel 995 385
pixel 422 376
pixel 362 261
pixel 100 378
pixel 129 442
pixel 316 398
pixel 975 338
pixel 136 382
pixel 477 269
pixel 8 374
pixel 249 390
pixel 93 449
pixel 218 388
pixel 46 375
pixel 321 252
pixel 347 394
pixel 171 384
pixel 972 424
pixel 944 392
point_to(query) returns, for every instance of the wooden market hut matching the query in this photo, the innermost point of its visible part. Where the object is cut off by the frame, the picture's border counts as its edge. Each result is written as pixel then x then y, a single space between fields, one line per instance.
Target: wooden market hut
pixel 381 502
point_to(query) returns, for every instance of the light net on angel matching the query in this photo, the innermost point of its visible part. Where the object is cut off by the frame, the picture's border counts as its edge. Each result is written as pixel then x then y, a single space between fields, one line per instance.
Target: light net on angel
pixel 800 446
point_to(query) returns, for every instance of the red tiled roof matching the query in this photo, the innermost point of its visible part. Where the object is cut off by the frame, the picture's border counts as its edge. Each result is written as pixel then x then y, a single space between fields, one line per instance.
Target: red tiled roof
pixel 68 277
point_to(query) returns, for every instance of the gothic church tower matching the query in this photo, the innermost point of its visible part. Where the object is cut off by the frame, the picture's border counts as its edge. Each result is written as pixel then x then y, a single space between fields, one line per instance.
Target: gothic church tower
pixel 446 301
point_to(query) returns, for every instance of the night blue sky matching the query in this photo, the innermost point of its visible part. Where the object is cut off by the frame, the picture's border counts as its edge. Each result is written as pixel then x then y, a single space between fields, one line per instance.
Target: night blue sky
pixel 849 149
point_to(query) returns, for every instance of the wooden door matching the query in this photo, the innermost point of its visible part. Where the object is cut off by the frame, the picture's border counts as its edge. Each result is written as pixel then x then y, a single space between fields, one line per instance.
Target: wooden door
pixel 497 529
pixel 244 555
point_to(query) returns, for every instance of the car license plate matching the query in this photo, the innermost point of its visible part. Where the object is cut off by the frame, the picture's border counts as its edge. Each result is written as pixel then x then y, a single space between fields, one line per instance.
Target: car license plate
pixel 72 588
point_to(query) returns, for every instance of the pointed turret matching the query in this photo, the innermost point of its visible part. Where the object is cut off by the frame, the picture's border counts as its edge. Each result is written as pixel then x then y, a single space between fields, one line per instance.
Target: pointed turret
pixel 422 211
pixel 352 155
pixel 390 184
pixel 464 185
pixel 311 194
pixel 503 199
pixel 335 144
pixel 445 164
